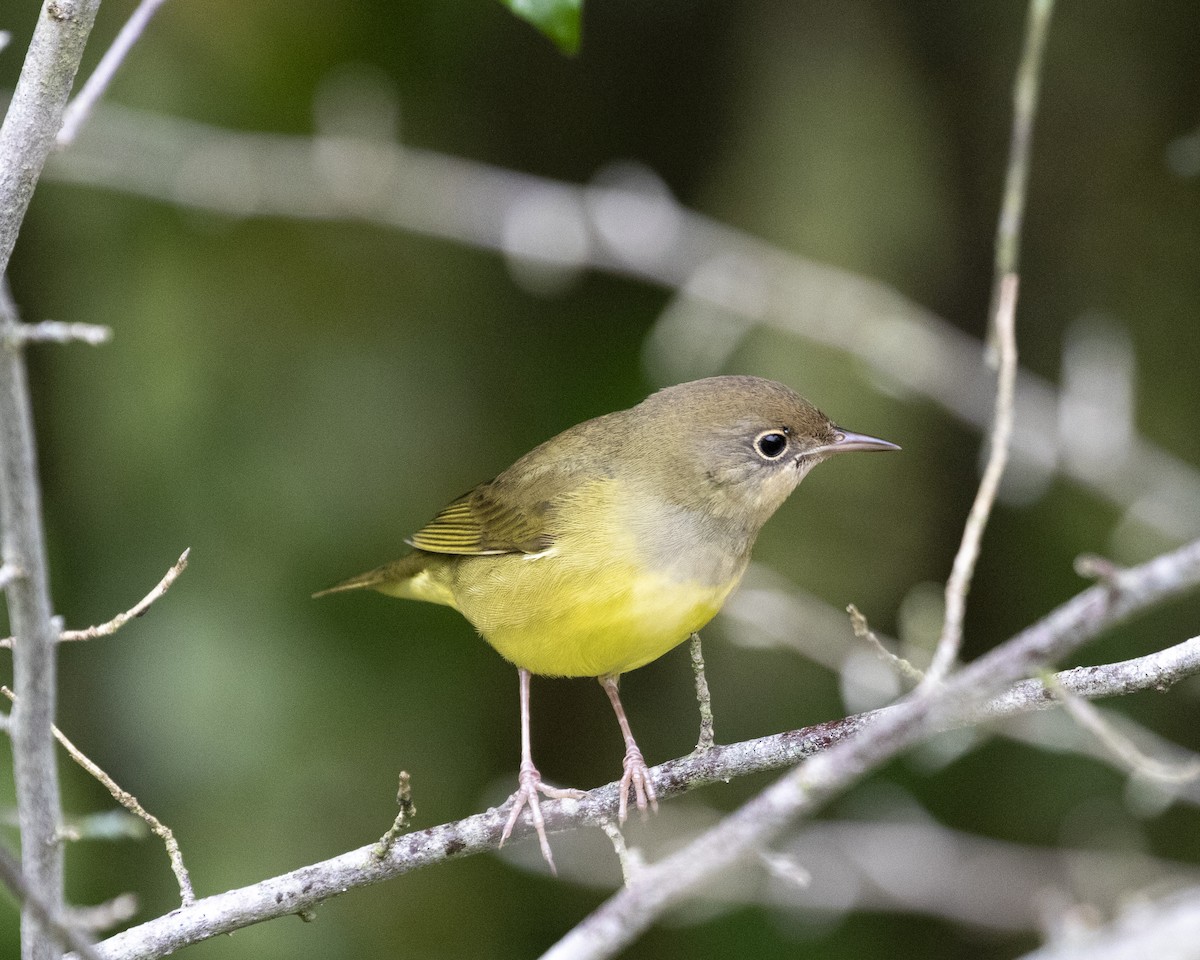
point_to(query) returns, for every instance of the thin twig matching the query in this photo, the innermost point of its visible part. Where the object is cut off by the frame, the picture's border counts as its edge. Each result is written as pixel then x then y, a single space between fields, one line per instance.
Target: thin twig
pixel 130 803
pixel 1001 332
pixel 77 110
pixel 786 868
pixel 1026 90
pixel 139 608
pixel 104 916
pixel 1050 638
pixel 862 630
pixel 55 331
pixel 707 735
pixel 1088 716
pixel 67 936
pixel 1097 568
pixel 804 790
pixel 628 859
pixel 100 917
pixel 959 582
pixel 292 892
pixel 117 622
pixel 408 810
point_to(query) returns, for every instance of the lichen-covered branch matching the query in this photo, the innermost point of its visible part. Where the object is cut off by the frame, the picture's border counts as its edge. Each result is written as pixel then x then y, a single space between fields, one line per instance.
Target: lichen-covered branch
pixel 889 732
pixel 960 702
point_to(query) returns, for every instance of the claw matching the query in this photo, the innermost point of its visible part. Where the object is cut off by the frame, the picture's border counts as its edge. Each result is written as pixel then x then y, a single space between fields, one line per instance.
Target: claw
pixel 527 796
pixel 636 782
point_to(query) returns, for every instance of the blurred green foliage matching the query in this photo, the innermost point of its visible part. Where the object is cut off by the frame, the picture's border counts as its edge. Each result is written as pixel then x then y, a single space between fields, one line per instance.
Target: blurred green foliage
pixel 291 399
pixel 560 20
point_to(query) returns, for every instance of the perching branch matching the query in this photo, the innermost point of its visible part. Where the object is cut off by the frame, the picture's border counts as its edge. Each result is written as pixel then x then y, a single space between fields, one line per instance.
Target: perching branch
pixel 802 791
pixel 1066 628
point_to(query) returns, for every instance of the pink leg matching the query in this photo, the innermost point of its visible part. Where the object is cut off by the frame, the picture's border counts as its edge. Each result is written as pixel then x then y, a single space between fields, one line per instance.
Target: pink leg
pixel 637 775
pixel 531 783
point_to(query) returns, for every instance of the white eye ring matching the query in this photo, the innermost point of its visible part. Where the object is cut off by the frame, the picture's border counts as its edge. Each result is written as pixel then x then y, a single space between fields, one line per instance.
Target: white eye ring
pixel 772 444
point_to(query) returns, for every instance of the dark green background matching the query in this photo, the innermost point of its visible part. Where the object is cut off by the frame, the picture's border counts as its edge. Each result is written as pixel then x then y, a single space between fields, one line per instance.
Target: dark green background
pixel 291 399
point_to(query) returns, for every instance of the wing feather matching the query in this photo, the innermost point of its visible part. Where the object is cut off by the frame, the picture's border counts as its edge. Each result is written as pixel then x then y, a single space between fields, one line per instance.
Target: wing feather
pixel 480 523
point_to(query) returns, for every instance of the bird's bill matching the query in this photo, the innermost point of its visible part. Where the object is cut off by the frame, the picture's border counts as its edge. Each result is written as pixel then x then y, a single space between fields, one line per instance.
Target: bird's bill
pixel 846 441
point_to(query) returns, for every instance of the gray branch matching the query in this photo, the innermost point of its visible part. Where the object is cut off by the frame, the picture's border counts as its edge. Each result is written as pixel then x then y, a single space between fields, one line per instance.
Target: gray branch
pixel 35 112
pixel 804 790
pixel 26 137
pixel 303 889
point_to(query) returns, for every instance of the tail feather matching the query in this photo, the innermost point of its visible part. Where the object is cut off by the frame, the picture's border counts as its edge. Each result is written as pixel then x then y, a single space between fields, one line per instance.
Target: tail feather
pixel 389 575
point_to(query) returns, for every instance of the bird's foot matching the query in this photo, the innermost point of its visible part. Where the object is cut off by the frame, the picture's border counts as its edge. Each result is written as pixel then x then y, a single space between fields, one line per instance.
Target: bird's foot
pixel 527 796
pixel 636 782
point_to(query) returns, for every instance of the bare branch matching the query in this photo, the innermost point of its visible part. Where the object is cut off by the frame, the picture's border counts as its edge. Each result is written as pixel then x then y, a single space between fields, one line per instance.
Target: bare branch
pixel 93 89
pixel 804 790
pixel 55 331
pixel 408 810
pixel 130 803
pixel 26 137
pixel 914 864
pixel 628 859
pixel 707 734
pixel 139 608
pixel 104 916
pixel 959 582
pixel 862 630
pixel 1026 90
pixel 35 111
pixel 1120 747
pixel 1066 628
pixel 117 622
pixel 1002 334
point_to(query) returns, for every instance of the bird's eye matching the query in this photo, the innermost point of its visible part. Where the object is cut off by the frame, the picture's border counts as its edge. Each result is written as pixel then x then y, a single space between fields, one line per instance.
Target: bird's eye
pixel 771 444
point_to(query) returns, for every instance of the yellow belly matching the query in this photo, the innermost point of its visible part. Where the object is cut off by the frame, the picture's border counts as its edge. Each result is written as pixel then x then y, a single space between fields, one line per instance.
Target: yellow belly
pixel 555 618
pixel 599 601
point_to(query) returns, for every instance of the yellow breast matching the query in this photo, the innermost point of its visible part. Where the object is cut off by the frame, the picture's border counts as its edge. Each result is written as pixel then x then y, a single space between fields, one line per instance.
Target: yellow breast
pixel 596 603
pixel 555 618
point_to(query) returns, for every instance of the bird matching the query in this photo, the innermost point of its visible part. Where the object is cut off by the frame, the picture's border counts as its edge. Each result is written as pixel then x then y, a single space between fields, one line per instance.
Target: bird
pixel 614 541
